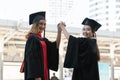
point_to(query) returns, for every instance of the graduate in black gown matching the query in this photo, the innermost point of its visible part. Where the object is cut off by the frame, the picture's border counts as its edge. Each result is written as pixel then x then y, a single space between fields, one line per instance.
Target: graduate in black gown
pixel 40 53
pixel 82 52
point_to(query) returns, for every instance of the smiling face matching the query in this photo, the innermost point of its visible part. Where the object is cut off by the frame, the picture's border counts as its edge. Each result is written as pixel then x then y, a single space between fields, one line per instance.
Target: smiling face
pixel 87 31
pixel 41 25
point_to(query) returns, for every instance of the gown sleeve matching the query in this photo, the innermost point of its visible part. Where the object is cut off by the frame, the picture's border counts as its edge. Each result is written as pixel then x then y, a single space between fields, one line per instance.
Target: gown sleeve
pixel 71 57
pixel 33 58
pixel 53 55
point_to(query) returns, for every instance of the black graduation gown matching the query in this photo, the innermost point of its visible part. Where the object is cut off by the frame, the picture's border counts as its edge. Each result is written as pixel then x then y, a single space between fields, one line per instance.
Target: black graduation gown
pixel 33 58
pixel 82 56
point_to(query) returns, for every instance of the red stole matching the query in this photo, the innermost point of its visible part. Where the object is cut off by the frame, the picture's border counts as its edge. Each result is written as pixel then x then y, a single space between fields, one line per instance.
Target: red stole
pixel 44 49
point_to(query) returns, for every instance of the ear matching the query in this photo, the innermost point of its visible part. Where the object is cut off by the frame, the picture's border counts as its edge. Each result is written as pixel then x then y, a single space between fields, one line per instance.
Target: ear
pixel 94 35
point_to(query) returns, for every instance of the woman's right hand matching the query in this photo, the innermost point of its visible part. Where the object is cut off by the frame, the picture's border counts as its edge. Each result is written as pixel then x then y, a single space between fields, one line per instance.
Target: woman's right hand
pixel 59 28
pixel 62 25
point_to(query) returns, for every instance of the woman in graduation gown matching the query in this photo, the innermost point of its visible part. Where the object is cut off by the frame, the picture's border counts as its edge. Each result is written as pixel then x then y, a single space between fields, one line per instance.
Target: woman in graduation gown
pixel 82 52
pixel 40 53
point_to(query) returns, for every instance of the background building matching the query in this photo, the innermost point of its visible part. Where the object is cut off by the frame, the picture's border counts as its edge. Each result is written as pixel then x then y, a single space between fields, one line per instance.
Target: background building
pixel 106 12
pixel 12 43
pixel 59 10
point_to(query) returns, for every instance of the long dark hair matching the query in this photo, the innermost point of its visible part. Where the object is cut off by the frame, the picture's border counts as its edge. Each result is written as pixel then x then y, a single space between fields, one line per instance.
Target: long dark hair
pixel 98 52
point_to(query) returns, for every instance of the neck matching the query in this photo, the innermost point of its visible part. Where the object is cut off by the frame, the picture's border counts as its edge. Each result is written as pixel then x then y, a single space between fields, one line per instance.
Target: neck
pixel 39 35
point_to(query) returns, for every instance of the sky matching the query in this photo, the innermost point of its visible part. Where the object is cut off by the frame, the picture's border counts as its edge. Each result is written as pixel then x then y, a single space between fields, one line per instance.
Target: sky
pixel 80 11
pixel 20 9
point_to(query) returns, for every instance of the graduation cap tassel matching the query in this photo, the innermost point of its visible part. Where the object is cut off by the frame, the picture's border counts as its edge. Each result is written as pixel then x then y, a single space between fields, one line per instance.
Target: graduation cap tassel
pixel 44 34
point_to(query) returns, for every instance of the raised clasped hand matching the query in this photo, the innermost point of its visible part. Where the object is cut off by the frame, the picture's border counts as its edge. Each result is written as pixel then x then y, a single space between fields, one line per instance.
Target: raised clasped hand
pixel 61 24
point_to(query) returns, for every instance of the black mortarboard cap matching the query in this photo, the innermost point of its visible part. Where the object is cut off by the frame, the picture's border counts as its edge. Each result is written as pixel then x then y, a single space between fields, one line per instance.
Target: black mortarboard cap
pixel 36 17
pixel 92 23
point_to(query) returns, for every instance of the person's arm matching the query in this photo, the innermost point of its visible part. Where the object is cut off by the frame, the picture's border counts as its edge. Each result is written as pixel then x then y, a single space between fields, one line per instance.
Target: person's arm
pixel 58 39
pixel 65 32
